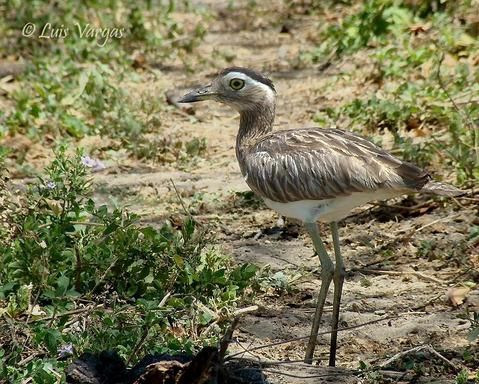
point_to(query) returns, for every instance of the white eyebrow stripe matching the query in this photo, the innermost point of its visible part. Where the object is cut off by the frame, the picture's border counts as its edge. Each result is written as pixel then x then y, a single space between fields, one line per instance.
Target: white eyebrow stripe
pixel 237 75
pixel 270 94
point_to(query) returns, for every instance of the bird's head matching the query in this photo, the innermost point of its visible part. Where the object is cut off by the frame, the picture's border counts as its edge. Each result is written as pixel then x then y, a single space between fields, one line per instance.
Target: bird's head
pixel 241 88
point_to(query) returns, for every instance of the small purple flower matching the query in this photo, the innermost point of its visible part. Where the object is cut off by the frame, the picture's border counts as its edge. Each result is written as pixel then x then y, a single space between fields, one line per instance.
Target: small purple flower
pixel 50 185
pixel 87 161
pixel 94 164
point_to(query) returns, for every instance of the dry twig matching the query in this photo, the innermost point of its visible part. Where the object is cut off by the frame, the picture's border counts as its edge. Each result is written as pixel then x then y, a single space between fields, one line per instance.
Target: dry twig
pixel 414 273
pixel 226 340
pixel 66 313
pixel 427 348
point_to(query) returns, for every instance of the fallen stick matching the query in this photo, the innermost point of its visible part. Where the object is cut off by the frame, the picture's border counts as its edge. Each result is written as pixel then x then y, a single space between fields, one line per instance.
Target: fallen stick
pixel 329 375
pixel 226 339
pixel 447 218
pixel 66 313
pixel 429 302
pixel 428 347
pixel 414 273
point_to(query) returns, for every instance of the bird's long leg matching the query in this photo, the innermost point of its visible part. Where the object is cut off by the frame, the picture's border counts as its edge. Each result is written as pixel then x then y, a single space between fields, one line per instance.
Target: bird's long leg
pixel 327 270
pixel 339 274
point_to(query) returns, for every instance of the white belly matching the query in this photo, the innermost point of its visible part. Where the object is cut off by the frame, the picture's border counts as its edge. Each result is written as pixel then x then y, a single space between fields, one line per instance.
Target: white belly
pixel 327 210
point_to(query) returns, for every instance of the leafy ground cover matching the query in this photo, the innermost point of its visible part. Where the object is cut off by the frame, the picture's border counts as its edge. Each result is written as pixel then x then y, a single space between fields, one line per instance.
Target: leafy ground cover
pixel 78 84
pixel 425 75
pixel 77 276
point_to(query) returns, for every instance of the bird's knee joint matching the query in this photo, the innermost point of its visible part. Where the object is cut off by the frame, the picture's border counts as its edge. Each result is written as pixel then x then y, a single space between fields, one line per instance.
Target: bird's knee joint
pixel 327 269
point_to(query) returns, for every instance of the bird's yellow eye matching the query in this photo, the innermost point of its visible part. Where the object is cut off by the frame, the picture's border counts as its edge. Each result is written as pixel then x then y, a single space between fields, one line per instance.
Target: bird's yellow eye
pixel 237 84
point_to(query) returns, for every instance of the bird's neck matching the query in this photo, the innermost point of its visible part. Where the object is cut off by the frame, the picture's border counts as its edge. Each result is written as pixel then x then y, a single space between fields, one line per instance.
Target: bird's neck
pixel 255 123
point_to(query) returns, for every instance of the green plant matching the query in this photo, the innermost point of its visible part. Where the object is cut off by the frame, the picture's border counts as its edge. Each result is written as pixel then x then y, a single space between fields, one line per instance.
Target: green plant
pixel 426 249
pixel 167 149
pixel 425 103
pixel 278 282
pixel 474 319
pixel 147 289
pixel 246 199
pixel 95 29
pixel 368 26
pixel 369 374
pixel 74 84
pixel 462 377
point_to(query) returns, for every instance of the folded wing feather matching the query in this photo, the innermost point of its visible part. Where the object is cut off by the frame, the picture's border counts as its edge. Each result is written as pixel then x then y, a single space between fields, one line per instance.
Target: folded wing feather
pixel 315 164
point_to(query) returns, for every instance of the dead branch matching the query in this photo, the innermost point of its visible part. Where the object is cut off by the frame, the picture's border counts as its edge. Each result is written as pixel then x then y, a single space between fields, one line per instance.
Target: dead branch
pixel 414 273
pixel 66 313
pixel 429 302
pixel 226 340
pixel 313 376
pixel 180 199
pixel 428 348
pixel 447 218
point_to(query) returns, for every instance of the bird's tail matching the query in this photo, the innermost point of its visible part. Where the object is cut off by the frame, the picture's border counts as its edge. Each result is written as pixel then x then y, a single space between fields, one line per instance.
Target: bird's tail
pixel 442 189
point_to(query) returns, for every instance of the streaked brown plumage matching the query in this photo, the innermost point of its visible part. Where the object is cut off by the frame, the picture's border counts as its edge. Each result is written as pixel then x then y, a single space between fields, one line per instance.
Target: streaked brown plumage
pixel 310 174
pixel 316 164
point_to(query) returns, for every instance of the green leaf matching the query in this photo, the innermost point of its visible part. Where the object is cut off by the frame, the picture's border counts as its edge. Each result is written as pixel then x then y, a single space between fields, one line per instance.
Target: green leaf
pixel 63 283
pixel 112 227
pixel 74 126
pixel 51 339
pixel 473 334
pixel 132 289
pixel 188 228
pixel 205 318
pixel 149 233
pixel 82 82
pixel 6 288
pixel 248 271
pixel 179 261
pixel 149 279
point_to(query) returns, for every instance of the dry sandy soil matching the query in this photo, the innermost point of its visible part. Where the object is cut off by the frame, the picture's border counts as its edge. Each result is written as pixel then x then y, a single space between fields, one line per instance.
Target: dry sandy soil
pixel 401 259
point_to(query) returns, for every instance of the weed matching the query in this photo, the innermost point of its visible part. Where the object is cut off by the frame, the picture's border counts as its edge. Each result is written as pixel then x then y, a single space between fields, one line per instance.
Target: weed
pixel 462 377
pixel 101 30
pixel 168 149
pixel 247 199
pixel 365 282
pixel 73 86
pixel 137 288
pixel 474 319
pixel 278 282
pixel 425 103
pixel 426 249
pixel 370 374
pixel 373 21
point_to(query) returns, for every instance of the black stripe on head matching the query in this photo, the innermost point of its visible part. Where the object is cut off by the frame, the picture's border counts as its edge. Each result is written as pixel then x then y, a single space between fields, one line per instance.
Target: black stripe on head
pixel 251 73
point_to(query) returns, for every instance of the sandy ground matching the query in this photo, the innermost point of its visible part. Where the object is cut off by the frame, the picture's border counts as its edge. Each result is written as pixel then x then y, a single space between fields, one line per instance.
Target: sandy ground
pixel 400 262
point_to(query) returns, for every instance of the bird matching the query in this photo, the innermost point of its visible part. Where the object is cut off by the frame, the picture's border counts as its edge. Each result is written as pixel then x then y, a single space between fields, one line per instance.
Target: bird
pixel 310 174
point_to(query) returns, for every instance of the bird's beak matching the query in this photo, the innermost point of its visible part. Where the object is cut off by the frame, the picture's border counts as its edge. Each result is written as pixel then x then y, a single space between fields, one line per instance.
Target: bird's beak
pixel 199 94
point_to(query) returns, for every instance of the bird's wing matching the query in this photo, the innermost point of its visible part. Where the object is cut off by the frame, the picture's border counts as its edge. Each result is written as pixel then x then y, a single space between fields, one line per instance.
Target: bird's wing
pixel 316 164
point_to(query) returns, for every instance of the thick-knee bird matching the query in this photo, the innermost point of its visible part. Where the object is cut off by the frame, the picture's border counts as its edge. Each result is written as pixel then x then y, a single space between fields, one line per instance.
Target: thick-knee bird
pixel 310 174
